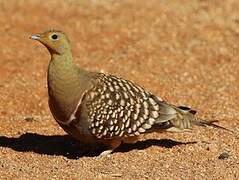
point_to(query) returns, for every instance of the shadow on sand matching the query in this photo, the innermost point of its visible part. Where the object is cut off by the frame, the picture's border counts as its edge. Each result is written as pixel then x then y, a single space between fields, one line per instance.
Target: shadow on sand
pixel 64 145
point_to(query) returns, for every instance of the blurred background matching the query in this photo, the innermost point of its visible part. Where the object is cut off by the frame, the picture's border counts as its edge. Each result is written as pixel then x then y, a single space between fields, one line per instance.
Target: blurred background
pixel 184 51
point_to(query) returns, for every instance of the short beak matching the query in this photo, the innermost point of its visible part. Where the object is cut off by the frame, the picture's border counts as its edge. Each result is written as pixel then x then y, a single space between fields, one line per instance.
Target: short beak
pixel 35 37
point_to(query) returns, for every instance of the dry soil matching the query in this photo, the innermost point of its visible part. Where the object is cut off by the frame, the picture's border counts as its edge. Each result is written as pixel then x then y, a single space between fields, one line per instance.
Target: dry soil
pixel 184 51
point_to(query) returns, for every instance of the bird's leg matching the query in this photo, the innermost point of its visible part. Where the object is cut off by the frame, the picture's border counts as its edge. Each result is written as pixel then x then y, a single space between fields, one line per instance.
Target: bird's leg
pixel 113 144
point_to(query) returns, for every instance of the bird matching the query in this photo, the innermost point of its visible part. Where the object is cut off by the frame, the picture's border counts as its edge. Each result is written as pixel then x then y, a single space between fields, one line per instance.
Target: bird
pixel 99 108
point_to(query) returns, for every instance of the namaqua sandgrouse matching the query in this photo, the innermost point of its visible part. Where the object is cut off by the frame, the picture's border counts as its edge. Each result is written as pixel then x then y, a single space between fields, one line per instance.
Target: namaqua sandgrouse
pixel 100 108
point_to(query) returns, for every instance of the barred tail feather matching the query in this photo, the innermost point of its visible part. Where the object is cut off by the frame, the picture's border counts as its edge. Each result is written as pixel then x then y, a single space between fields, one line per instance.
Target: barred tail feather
pixel 183 119
pixel 201 122
pixel 189 115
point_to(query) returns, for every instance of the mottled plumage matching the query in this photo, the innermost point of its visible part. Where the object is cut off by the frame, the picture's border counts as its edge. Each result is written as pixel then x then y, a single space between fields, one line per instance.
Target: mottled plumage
pixel 118 108
pixel 99 108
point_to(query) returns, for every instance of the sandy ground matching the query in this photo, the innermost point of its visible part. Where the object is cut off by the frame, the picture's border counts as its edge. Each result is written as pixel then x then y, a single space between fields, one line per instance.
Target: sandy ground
pixel 184 51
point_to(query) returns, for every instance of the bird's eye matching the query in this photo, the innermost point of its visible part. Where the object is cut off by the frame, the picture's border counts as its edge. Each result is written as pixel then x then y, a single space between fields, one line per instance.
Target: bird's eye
pixel 54 36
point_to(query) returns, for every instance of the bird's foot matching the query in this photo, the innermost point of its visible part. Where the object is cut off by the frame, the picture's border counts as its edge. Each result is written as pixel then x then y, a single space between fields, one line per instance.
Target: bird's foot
pixel 112 145
pixel 105 153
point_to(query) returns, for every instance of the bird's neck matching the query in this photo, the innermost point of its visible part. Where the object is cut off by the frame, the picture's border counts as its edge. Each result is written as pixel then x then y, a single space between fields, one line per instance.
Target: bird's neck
pixel 63 84
pixel 62 72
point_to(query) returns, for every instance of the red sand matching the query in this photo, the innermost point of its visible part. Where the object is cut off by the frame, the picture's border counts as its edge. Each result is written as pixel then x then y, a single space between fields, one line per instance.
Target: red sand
pixel 184 51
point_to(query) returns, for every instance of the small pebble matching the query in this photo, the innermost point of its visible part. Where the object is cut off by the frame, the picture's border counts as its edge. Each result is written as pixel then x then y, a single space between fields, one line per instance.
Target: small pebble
pixel 223 156
pixel 29 118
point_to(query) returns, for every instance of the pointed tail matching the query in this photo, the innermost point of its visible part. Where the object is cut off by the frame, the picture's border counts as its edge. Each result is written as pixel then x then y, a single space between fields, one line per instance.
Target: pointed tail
pixel 189 115
pixel 178 118
pixel 201 122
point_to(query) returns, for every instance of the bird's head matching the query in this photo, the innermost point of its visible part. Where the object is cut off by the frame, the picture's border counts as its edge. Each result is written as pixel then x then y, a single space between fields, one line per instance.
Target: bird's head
pixel 55 41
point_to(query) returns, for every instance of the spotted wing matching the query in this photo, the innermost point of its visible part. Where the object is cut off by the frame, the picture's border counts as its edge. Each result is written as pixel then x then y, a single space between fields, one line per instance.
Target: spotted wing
pixel 119 108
